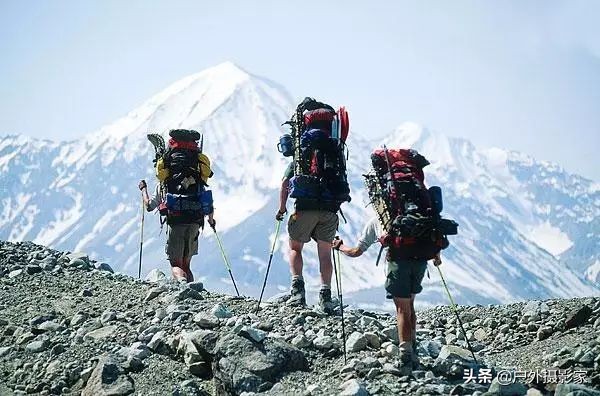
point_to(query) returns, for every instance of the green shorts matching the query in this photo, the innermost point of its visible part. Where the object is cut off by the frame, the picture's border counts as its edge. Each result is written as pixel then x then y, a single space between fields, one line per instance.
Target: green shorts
pixel 404 278
pixel 319 225
pixel 182 240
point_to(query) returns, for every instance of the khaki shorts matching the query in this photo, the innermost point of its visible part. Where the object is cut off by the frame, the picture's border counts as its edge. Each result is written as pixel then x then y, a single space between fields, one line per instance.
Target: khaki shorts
pixel 319 225
pixel 182 240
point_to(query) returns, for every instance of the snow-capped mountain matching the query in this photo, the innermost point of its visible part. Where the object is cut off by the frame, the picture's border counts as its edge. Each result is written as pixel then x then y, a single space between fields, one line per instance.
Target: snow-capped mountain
pixel 528 229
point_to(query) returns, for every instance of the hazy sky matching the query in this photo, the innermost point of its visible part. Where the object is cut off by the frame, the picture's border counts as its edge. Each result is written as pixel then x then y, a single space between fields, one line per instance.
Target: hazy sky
pixel 516 74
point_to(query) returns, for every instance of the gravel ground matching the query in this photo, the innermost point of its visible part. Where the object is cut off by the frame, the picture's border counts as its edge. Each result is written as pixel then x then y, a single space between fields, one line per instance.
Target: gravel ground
pixel 68 325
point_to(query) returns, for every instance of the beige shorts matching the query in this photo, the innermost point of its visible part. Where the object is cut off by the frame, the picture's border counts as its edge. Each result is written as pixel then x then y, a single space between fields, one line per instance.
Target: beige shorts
pixel 319 225
pixel 182 240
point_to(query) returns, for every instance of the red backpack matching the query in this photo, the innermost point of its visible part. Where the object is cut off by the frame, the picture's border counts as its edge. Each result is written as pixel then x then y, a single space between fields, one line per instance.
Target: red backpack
pixel 409 215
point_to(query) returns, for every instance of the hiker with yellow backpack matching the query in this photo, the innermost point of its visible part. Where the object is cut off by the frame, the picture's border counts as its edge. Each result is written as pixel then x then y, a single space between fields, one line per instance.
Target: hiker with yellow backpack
pixel 182 196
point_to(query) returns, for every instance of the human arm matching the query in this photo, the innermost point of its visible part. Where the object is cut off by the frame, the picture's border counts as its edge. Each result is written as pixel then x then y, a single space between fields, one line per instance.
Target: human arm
pixel 349 251
pixel 150 203
pixel 284 191
pixel 211 221
pixel 367 238
pixel 283 196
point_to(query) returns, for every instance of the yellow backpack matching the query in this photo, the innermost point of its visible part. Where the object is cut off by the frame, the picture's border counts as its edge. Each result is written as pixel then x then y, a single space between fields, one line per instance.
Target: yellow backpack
pixel 162 172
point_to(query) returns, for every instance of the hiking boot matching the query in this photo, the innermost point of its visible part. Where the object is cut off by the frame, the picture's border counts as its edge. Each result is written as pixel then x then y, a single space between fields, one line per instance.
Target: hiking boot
pixel 325 302
pixel 415 355
pixel 297 294
pixel 408 359
pixel 414 358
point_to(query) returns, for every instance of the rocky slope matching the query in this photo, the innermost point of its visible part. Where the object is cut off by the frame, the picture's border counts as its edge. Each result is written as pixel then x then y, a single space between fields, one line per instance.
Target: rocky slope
pixel 69 325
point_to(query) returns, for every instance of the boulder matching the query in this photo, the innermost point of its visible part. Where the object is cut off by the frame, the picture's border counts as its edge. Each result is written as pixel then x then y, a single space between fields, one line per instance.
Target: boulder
pixel 155 276
pixel 206 321
pixel 101 333
pixel 353 387
pixel 108 379
pixel 578 317
pixel 544 332
pixel 33 269
pixel 513 389
pixel 196 285
pixel 452 361
pixel 154 292
pixel 188 293
pixel 104 267
pixel 252 334
pixel 300 341
pixel 221 311
pixel 240 365
pixel 139 350
pixel 356 342
pixel 323 342
pixel 201 342
pixel 373 340
pixel 37 346
pixel 575 390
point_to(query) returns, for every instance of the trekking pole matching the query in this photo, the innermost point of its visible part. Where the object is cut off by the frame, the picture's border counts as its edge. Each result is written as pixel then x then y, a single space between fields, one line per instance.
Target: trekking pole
pixel 225 260
pixel 141 240
pixel 455 309
pixel 268 265
pixel 338 284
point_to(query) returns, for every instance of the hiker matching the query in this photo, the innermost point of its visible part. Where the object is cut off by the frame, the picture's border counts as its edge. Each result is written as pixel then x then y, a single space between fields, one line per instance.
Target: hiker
pixel 182 198
pixel 316 179
pixel 409 225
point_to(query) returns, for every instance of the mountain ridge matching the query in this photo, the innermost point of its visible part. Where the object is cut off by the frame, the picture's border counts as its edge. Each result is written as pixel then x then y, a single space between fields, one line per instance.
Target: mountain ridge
pixel 90 190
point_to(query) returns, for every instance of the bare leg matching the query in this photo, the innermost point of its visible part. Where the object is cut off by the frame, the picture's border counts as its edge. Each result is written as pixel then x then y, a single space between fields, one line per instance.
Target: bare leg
pixel 296 262
pixel 324 251
pixel 188 271
pixel 177 270
pixel 404 318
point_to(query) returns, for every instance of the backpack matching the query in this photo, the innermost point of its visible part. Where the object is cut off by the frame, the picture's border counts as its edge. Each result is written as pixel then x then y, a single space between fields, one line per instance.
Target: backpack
pixel 317 144
pixel 183 171
pixel 408 211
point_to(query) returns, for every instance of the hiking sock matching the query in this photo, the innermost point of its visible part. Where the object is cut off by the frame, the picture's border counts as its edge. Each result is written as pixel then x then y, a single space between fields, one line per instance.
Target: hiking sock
pixel 325 287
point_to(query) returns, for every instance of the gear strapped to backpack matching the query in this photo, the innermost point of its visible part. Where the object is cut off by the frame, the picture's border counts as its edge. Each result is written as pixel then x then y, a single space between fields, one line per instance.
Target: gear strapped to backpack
pixel 317 144
pixel 183 171
pixel 407 210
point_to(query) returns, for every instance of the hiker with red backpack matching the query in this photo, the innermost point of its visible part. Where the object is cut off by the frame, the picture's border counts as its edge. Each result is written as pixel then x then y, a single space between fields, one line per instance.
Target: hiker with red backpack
pixel 182 196
pixel 317 180
pixel 409 225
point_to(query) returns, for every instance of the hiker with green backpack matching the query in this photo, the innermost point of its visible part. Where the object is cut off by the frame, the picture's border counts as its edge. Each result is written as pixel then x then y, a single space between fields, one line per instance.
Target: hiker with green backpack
pixel 182 196
pixel 409 226
pixel 316 179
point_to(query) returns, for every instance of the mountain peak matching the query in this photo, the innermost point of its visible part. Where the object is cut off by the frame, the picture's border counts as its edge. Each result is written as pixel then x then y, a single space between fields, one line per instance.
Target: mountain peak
pixel 227 70
pixel 406 135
